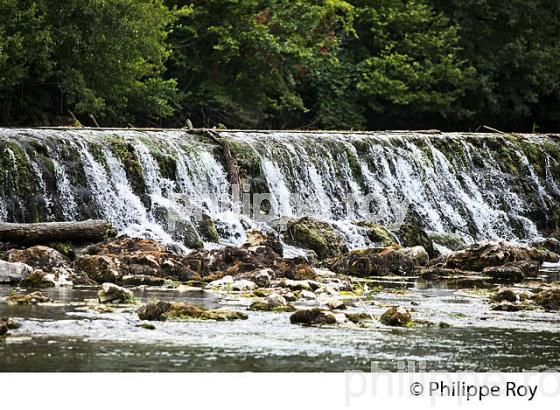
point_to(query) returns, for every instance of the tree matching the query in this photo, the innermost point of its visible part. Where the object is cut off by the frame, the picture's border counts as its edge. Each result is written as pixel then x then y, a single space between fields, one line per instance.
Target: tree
pixel 242 62
pixel 515 49
pixel 102 57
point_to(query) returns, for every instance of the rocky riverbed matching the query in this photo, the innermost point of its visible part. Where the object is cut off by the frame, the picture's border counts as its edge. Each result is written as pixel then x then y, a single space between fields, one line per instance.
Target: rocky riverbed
pixel 135 304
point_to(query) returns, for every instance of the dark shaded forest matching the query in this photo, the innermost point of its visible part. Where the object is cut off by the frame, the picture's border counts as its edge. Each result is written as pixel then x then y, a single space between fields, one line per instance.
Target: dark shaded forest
pixel 330 64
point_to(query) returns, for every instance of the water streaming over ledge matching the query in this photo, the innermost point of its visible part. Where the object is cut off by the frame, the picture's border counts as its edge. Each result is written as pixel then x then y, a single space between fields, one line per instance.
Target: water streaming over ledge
pixel 477 186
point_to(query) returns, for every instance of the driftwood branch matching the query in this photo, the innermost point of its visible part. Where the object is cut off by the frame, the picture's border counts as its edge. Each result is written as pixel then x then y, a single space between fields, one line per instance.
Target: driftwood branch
pixel 89 231
pixel 230 162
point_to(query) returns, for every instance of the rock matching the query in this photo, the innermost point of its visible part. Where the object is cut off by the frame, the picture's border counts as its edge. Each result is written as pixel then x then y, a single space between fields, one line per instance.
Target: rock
pixel 548 299
pixel 396 316
pixel 493 253
pixel 378 234
pixel 147 326
pixel 207 229
pixel 335 304
pixel 373 262
pixel 13 272
pixel 28 299
pixel 315 235
pixel 412 233
pixel 299 269
pixel 449 241
pixel 505 295
pixel 296 284
pixel 110 292
pixel 305 294
pixel 276 300
pixel 506 307
pixel 418 254
pixel 225 282
pixel 260 277
pixel 272 303
pixel 142 280
pixel 40 257
pixel 100 268
pixel 38 279
pixel 357 317
pixel 547 244
pixel 512 272
pixel 311 317
pixel 262 238
pixel 156 310
pixel 6 324
pixel 183 231
pixel 112 260
pixel 242 285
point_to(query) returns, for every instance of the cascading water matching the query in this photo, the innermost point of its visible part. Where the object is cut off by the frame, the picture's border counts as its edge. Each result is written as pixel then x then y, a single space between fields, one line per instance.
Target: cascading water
pixel 151 183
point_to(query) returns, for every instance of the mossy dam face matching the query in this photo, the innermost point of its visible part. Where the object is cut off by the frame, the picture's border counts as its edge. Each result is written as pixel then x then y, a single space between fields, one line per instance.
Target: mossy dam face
pixel 476 186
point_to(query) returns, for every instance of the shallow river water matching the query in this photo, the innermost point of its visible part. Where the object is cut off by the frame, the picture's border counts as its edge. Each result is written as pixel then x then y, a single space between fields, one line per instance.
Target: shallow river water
pixel 67 335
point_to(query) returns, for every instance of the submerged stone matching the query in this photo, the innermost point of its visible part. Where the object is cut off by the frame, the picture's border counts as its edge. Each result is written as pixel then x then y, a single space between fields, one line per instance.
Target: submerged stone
pixel 28 299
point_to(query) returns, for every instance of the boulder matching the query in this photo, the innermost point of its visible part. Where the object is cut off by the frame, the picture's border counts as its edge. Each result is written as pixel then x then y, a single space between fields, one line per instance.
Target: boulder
pixel 336 304
pixel 40 257
pixel 142 280
pixel 13 272
pixel 6 324
pixel 504 295
pixel 243 285
pixel 493 253
pixel 396 316
pixel 373 262
pixel 311 317
pixel 412 233
pixel 156 310
pixel 260 277
pixel 264 238
pixel 549 299
pixel 38 279
pixel 306 294
pixel 100 268
pixel 299 269
pixel 512 272
pixel 450 241
pixel 207 229
pixel 225 283
pixel 110 292
pixel 418 254
pixel 112 260
pixel 377 233
pixel 315 235
pixel 547 244
pixel 272 303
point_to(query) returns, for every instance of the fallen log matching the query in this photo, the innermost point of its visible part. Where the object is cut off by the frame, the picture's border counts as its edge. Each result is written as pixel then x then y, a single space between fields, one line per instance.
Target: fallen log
pixel 89 231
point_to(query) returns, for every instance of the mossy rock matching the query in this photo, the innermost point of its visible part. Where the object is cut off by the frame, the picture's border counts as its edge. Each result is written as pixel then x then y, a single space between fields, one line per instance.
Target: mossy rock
pixel 377 233
pixel 315 235
pixel 157 310
pixel 412 233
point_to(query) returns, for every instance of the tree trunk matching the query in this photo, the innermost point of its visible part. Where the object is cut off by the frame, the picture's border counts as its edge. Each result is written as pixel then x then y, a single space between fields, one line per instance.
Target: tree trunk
pixel 89 231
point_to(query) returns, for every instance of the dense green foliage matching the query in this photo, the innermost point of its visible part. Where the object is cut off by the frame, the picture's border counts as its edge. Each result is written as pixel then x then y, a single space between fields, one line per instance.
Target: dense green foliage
pixel 448 64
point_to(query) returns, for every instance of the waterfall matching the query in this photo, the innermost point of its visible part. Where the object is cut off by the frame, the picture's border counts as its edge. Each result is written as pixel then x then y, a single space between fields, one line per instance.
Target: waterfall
pixel 477 186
